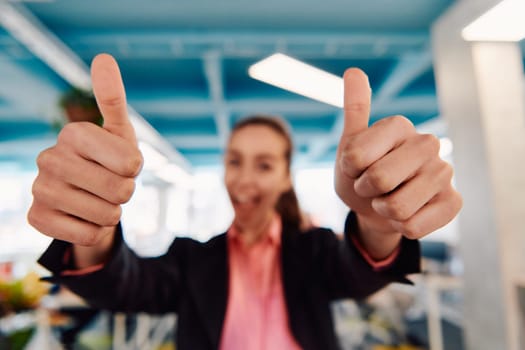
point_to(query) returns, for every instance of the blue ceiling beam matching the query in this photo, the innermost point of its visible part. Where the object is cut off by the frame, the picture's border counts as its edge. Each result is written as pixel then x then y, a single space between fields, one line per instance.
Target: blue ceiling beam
pixel 213 73
pixel 178 44
pixel 25 150
pixel 409 67
pixel 13 130
pixel 44 44
pixel 201 107
pixel 197 141
pixel 27 93
pixel 321 145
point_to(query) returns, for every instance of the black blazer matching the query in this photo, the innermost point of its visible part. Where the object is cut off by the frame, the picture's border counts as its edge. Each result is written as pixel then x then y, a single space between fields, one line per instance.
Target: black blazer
pixel 191 279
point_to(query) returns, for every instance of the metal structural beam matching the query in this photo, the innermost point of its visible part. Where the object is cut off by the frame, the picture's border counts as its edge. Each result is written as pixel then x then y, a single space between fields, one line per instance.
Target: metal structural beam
pixel 38 90
pixel 29 31
pixel 246 44
pixel 322 145
pixel 202 107
pixel 213 73
pixel 202 141
pixel 410 67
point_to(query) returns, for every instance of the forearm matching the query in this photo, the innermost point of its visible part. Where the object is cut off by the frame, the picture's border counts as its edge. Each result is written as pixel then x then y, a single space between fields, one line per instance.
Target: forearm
pixel 353 272
pixel 125 282
pixel 377 236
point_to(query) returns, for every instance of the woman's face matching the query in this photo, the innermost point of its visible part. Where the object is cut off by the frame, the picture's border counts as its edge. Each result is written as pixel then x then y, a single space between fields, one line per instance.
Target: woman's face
pixel 256 173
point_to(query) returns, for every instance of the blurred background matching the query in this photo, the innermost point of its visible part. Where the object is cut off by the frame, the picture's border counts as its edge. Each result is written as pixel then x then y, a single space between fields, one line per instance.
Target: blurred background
pixel 185 68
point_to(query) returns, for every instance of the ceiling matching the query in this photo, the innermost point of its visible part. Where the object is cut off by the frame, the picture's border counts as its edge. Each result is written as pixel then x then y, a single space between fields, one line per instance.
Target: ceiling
pixel 184 65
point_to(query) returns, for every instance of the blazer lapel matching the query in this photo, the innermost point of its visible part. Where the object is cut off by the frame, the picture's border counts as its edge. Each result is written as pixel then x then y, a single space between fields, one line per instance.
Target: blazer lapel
pixel 208 283
pixel 294 276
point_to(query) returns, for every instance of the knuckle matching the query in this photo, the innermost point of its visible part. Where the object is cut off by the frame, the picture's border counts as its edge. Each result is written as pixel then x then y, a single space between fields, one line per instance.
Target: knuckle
pixel 402 122
pixel 398 209
pixel 458 200
pixel 353 157
pixel 378 179
pixel 46 161
pixel 443 174
pixel 447 171
pixel 430 142
pixel 411 230
pixel 453 199
pixel 34 218
pixel 133 164
pixel 124 191
pixel 38 188
pixel 112 101
pixel 112 216
pixel 358 107
pixel 74 134
pixel 68 134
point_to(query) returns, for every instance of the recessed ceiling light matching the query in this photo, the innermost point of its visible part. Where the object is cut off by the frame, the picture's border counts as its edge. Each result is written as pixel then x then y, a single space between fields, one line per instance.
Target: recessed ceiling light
pixel 293 75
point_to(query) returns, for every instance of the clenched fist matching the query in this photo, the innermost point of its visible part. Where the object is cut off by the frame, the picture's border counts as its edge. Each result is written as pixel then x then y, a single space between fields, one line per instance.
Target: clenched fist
pixel 390 175
pixel 90 172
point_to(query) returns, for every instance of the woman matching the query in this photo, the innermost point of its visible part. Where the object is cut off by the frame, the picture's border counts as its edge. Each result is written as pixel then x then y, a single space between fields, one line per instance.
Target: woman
pixel 264 284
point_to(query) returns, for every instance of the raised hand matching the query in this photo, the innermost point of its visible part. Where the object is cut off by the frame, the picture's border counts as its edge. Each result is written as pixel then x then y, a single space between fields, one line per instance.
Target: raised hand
pixel 389 174
pixel 90 172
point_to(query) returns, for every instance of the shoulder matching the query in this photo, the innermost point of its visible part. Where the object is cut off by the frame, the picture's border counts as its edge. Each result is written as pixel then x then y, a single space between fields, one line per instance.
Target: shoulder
pixel 313 233
pixel 310 241
pixel 188 245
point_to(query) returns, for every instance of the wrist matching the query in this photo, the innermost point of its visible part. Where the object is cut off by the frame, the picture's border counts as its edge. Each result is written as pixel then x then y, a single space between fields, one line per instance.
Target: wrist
pixel 377 236
pixel 85 256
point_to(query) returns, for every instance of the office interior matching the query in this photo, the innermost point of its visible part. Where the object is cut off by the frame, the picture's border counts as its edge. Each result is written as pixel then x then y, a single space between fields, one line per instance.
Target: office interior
pixel 454 68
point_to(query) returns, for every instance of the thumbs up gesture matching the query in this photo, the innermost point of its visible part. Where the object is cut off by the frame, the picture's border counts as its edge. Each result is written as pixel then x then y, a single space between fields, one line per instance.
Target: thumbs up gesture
pixel 90 172
pixel 390 175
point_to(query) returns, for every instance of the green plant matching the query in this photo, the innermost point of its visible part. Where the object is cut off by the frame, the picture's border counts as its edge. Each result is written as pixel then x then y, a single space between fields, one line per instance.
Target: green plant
pixel 22 294
pixel 80 106
pixel 78 97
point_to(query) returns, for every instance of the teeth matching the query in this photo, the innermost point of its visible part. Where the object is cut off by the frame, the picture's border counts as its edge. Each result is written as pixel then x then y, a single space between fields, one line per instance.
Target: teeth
pixel 243 199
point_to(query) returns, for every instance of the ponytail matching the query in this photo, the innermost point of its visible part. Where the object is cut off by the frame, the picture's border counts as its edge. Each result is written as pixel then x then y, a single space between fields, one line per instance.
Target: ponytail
pixel 288 208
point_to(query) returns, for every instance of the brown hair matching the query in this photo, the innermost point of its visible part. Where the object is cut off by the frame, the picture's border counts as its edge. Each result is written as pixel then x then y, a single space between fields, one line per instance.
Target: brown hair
pixel 287 206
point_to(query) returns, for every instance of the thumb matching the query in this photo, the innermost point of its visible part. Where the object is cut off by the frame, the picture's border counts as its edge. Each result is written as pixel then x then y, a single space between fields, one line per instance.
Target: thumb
pixel 357 97
pixel 111 96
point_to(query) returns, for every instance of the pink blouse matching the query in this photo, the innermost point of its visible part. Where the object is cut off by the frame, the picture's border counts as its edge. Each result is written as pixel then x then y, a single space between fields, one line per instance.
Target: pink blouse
pixel 256 316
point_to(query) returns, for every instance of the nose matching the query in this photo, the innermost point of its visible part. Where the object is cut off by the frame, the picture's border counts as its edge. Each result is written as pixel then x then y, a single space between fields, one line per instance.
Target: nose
pixel 245 176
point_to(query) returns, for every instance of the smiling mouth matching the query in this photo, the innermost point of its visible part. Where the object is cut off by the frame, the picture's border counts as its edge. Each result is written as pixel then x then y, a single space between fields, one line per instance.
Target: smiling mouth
pixel 245 201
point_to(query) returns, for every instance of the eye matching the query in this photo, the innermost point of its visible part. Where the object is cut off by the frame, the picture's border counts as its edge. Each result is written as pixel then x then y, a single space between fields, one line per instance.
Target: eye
pixel 233 162
pixel 263 166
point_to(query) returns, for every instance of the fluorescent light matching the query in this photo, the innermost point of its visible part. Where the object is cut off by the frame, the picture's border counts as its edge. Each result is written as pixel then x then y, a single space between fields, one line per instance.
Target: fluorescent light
pixel 303 79
pixel 44 44
pixel 503 22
